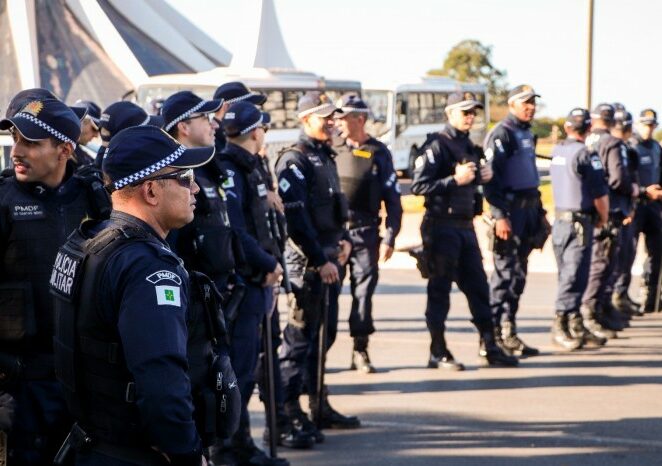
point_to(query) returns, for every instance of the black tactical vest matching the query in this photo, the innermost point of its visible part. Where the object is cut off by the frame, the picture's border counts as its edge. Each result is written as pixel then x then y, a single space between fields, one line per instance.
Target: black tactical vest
pixel 258 220
pixel 207 244
pixel 327 205
pixel 358 177
pixel 460 202
pixel 39 221
pixel 603 143
pixel 89 361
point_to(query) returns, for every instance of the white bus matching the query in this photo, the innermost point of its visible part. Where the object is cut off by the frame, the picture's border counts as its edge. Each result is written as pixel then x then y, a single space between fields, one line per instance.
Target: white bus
pixel 403 114
pixel 282 88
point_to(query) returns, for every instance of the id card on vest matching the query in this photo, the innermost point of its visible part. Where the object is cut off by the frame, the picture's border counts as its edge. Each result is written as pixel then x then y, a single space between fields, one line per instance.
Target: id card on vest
pixel 28 211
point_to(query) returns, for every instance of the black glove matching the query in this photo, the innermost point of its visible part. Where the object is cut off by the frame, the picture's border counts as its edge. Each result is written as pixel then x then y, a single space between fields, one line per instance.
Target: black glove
pixel 228 397
pixel 7 408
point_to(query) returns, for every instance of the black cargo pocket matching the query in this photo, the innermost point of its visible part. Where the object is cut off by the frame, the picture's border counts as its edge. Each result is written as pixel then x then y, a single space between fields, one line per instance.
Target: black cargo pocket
pixel 17 319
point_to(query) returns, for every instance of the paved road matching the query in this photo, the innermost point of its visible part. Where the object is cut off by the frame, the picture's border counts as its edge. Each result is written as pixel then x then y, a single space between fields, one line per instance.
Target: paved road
pixel 599 407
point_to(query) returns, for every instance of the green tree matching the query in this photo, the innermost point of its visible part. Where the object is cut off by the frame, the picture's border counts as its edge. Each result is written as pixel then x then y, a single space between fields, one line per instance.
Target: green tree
pixel 470 61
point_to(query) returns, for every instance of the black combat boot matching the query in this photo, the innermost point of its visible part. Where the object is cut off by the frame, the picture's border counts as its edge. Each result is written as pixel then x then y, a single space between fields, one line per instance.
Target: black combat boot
pixel 513 344
pixel 440 356
pixel 300 421
pixel 360 357
pixel 578 330
pixel 246 453
pixel 610 318
pixel 625 304
pixel 561 335
pixel 288 435
pixel 490 353
pixel 592 325
pixel 331 419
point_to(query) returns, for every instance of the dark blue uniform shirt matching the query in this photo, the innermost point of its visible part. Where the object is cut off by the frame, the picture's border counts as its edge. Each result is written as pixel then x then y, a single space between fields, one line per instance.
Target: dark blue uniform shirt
pixel 145 292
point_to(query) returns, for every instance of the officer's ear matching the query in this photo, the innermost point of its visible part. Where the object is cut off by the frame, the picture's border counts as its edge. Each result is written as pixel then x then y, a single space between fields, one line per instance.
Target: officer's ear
pixel 151 192
pixel 65 151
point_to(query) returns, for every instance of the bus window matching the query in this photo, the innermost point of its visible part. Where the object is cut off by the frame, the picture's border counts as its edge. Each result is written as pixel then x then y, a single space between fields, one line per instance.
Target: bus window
pixel 400 114
pixel 426 112
pixel 439 106
pixel 413 115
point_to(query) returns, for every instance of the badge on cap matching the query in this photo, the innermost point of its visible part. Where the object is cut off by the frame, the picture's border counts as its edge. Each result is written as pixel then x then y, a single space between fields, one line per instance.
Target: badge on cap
pixel 649 114
pixel 33 108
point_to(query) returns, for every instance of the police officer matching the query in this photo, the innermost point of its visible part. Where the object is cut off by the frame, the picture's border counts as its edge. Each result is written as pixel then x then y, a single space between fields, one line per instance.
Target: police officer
pixel 118 116
pixel 515 205
pixel 367 178
pixel 582 203
pixel 318 249
pixel 139 340
pixel 230 93
pixel 89 130
pixel 43 200
pixel 619 282
pixel 448 174
pixel 248 209
pixel 597 312
pixel 648 215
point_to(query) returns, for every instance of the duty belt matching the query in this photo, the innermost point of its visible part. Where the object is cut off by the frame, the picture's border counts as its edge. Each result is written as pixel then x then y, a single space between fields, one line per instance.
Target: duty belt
pixel 361 221
pixel 525 202
pixel 464 223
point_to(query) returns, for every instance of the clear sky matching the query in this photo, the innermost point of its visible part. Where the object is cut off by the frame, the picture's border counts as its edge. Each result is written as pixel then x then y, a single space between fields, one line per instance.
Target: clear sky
pixel 539 42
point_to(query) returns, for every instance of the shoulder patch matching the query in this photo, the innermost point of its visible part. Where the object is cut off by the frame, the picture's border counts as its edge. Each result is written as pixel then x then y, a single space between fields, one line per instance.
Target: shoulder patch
pixel 168 295
pixel 419 162
pixel 228 182
pixel 164 275
pixel 284 185
pixel 596 163
pixel 209 192
pixel 489 154
pixel 296 171
pixel 430 155
pixel 499 145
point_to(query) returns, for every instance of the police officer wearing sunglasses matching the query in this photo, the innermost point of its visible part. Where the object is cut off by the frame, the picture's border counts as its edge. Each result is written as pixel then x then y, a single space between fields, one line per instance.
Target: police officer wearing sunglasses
pixel 139 343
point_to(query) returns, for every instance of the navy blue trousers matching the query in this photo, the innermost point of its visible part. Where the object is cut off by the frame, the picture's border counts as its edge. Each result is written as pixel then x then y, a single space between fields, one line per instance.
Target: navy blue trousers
pixel 573 260
pixel 363 276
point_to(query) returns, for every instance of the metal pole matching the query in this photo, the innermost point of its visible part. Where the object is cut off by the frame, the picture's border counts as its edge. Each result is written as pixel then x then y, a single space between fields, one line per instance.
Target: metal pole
pixel 589 71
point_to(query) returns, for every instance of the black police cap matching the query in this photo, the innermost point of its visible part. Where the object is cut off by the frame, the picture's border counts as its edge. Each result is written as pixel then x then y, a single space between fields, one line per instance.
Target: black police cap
pixel 44 118
pixel 316 103
pixel 237 91
pixel 139 151
pixel 522 92
pixel 25 96
pixel 463 101
pixel 578 119
pixel 623 118
pixel 242 118
pixel 121 115
pixel 604 112
pixel 352 103
pixel 92 109
pixel 181 105
pixel 648 116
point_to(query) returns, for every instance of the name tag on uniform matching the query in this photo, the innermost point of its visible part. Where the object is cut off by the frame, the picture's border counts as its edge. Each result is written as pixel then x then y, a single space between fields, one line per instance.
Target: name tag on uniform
pixel 527 143
pixel 261 190
pixel 28 212
pixel 646 160
pixel 362 153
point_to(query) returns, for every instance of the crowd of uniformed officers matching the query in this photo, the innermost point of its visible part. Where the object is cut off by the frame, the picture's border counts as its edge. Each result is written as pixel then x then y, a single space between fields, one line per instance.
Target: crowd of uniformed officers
pixel 139 284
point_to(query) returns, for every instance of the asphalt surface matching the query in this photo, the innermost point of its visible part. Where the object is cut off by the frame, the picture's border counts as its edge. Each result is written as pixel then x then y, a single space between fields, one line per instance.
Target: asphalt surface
pixel 592 407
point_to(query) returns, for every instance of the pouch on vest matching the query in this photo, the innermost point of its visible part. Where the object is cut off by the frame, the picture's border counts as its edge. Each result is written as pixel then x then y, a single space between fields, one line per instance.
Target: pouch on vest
pixel 17 313
pixel 214 249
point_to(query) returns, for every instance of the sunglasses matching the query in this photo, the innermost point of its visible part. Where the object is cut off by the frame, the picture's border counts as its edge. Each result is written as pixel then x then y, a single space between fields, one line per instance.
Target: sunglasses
pixel 209 116
pixel 185 178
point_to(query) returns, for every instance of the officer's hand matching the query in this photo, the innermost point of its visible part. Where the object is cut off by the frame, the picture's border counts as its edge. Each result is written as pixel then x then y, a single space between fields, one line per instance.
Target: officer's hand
pixel 486 173
pixel 627 220
pixel 654 192
pixel 345 251
pixel 465 173
pixel 275 202
pixel 204 461
pixel 503 229
pixel 329 273
pixel 272 277
pixel 635 190
pixel 385 252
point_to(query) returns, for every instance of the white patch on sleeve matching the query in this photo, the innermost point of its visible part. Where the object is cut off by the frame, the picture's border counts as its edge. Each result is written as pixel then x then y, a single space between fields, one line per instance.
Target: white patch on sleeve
pixel 489 154
pixel 420 160
pixel 499 145
pixel 430 155
pixel 284 185
pixel 168 296
pixel 297 172
pixel 596 163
